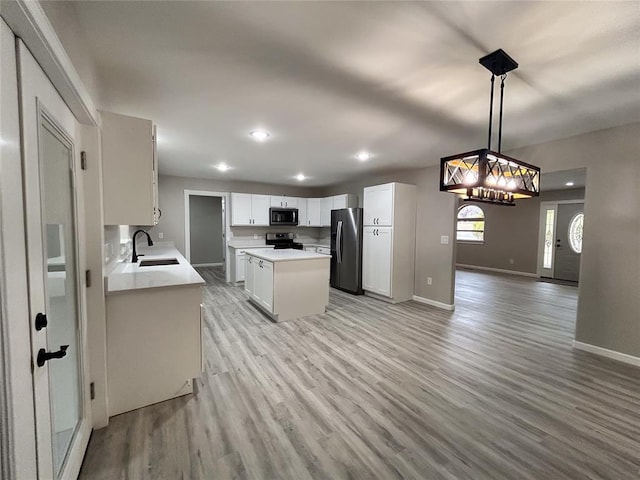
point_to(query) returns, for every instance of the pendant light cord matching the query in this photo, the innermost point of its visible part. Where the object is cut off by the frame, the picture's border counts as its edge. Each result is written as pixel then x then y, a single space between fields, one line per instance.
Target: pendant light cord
pixel 501 102
pixel 491 111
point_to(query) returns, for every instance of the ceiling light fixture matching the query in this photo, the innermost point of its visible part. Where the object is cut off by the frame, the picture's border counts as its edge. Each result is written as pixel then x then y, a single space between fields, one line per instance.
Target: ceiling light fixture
pixel 485 175
pixel 363 156
pixel 259 135
pixel 569 184
pixel 300 177
pixel 223 167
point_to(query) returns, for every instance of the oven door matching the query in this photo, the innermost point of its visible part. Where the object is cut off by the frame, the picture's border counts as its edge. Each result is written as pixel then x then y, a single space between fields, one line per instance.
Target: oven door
pixel 283 216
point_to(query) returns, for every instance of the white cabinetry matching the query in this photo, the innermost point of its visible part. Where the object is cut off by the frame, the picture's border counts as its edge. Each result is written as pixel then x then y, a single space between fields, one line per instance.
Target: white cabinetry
pixel 238 261
pixel 154 345
pixel 249 280
pixel 263 283
pixel 335 203
pixel 379 202
pixel 284 202
pixel 129 170
pixel 248 209
pixel 313 212
pixel 377 247
pixel 388 265
pixel 303 218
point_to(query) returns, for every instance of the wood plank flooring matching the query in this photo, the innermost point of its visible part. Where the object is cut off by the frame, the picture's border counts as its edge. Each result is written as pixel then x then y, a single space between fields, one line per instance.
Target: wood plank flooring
pixel 371 390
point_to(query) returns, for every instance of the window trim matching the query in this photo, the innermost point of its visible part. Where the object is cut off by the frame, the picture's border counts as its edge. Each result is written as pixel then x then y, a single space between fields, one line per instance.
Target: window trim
pixel 470 219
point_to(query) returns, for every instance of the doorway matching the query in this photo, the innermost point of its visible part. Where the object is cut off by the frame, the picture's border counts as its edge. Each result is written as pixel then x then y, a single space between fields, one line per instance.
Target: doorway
pixel 205 226
pixel 560 240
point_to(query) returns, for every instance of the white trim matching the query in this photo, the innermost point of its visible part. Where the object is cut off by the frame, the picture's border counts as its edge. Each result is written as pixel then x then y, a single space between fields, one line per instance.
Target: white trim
pixel 225 225
pixel 219 264
pixel 434 303
pixel 29 22
pixel 497 270
pixel 561 202
pixel 604 352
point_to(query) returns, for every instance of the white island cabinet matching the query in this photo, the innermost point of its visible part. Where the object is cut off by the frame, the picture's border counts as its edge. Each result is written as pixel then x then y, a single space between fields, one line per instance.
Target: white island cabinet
pixel 287 284
pixel 154 331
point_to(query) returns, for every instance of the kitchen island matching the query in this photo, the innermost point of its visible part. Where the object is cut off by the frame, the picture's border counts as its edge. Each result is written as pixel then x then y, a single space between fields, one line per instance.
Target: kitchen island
pixel 154 331
pixel 287 283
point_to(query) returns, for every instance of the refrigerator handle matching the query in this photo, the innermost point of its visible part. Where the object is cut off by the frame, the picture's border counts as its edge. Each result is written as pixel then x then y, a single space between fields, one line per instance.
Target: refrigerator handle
pixel 339 242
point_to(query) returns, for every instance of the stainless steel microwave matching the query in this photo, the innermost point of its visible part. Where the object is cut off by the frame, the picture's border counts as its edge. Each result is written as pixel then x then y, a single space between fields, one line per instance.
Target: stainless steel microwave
pixel 283 216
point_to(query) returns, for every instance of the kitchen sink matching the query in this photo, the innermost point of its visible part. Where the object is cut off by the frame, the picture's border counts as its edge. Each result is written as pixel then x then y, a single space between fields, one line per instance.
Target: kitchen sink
pixel 159 261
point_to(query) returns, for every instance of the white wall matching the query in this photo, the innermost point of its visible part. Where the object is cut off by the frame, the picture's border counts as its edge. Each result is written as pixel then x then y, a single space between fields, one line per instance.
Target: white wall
pixel 609 299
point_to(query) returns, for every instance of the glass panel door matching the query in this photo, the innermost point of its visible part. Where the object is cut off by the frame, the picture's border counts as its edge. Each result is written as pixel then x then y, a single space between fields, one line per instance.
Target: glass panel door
pixel 61 288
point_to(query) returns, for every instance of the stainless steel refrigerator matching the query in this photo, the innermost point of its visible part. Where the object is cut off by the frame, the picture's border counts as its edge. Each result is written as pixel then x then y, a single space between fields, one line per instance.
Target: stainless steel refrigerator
pixel 346 250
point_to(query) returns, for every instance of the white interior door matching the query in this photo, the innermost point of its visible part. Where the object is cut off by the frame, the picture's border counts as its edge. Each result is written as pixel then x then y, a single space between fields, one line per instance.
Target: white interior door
pixel 56 302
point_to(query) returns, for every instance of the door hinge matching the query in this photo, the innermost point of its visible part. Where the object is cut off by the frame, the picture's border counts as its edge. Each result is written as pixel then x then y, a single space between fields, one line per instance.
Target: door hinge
pixel 92 390
pixel 83 160
pixel 87 278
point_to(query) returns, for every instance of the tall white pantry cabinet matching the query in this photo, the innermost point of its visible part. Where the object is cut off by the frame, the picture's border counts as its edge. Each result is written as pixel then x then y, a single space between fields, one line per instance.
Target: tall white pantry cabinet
pixel 388 265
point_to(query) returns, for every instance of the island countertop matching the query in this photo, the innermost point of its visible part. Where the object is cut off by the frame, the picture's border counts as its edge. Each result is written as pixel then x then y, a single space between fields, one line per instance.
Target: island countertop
pixel 127 276
pixel 284 255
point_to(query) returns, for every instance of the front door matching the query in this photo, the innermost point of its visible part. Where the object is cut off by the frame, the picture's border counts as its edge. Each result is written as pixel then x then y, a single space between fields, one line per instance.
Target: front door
pixel 560 240
pixel 56 305
pixel 568 246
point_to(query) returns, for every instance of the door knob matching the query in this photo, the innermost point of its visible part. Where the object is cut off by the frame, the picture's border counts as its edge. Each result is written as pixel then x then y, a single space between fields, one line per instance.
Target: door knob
pixel 41 321
pixel 44 356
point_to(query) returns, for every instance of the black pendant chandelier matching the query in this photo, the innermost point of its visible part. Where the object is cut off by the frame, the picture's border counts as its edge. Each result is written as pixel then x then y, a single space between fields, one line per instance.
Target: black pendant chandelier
pixel 485 175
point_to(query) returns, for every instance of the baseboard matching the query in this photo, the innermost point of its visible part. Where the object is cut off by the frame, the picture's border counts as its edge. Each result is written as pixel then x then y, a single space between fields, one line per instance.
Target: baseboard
pixel 603 352
pixel 434 303
pixel 498 270
pixel 207 264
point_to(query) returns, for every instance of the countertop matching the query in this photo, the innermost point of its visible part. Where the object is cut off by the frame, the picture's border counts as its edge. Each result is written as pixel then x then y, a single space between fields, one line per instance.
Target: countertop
pixel 285 255
pixel 127 276
pixel 240 246
pixel 317 245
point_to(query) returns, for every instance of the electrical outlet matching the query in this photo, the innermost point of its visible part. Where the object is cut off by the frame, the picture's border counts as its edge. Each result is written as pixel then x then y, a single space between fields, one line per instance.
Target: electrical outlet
pixel 444 239
pixel 255 236
pixel 511 261
pixel 429 281
pixel 160 235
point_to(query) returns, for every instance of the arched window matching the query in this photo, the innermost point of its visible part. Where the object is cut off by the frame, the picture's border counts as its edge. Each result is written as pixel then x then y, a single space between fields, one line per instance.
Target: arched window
pixel 575 232
pixel 470 224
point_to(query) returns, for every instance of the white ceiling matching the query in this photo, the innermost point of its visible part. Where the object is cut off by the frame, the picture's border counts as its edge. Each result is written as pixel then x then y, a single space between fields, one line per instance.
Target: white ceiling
pixel 559 180
pixel 327 79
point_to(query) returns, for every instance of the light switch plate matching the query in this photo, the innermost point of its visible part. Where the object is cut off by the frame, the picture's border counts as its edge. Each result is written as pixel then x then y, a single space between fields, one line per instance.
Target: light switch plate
pixel 444 239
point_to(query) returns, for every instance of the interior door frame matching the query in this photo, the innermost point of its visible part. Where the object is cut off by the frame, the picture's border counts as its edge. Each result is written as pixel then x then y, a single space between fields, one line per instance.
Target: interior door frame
pixel 544 206
pixel 226 222
pixel 26 20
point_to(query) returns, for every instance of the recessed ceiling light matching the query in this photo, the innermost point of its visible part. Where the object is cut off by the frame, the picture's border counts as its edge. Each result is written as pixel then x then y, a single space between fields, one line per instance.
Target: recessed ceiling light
pixel 569 184
pixel 300 177
pixel 259 135
pixel 223 167
pixel 363 156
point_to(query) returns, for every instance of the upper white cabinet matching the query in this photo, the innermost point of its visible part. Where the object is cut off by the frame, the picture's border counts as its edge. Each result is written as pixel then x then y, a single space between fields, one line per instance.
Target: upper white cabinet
pixel 378 203
pixel 129 170
pixel 335 203
pixel 248 209
pixel 389 241
pixel 303 218
pixel 313 212
pixel 284 202
pixel 326 205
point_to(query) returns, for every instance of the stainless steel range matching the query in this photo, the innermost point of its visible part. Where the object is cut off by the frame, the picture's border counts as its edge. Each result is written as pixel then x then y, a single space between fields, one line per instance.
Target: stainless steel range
pixel 282 240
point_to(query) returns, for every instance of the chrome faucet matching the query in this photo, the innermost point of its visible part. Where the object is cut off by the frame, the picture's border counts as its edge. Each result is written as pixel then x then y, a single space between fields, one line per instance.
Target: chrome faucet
pixel 134 257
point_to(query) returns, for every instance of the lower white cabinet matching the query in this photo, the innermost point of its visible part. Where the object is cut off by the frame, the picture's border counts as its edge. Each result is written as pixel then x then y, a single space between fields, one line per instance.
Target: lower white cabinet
pixel 377 262
pixel 263 283
pixel 249 277
pixel 288 289
pixel 154 345
pixel 240 259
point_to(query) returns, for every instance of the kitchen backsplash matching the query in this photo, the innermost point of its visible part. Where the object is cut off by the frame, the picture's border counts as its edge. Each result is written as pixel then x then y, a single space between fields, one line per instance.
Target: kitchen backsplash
pixel 249 235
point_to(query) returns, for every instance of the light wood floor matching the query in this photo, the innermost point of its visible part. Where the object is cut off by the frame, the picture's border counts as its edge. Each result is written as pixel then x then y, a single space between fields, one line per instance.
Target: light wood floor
pixel 370 390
